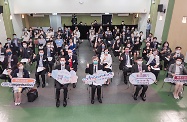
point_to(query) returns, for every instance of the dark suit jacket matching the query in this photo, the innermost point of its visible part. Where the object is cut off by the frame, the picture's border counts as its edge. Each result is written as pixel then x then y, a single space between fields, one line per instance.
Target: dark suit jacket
pixel 14 61
pixel 11 46
pixel 90 69
pixel 3 51
pixel 45 61
pixel 152 44
pixel 58 67
pixel 25 73
pixel 135 68
pixel 74 61
pixel 172 59
pixel 52 53
pixel 123 62
pixel 172 69
pixel 26 53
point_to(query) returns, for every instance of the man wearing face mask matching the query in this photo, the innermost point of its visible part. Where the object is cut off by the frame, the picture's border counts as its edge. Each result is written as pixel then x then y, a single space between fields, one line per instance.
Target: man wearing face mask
pixel 154 63
pixel 71 60
pixel 10 45
pixel 177 69
pixel 41 67
pixel 126 63
pixel 91 69
pixel 50 54
pixel 16 42
pixel 25 52
pixel 61 66
pixel 140 67
pixel 42 40
pixel 9 63
pixel 176 54
pixel 154 44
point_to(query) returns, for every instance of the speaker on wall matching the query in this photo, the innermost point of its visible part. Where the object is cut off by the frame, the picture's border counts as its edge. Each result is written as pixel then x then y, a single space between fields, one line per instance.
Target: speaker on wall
pixel 1 9
pixel 160 8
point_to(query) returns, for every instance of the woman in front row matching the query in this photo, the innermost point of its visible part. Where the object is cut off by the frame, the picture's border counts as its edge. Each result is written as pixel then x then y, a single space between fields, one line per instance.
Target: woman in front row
pixel 20 72
pixel 177 69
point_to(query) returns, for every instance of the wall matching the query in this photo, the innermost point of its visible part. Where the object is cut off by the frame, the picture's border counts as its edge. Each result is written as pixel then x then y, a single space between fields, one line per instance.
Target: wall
pixel 160 23
pixel 75 6
pixel 116 20
pixel 6 18
pixel 3 35
pixel 177 35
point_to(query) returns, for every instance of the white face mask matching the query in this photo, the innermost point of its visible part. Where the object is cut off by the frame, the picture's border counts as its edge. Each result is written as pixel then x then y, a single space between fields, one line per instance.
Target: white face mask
pixel 20 68
pixel 139 62
pixel 62 62
pixel 154 53
pixel 48 46
pixel 24 45
pixel 178 51
pixel 70 54
pixel 178 62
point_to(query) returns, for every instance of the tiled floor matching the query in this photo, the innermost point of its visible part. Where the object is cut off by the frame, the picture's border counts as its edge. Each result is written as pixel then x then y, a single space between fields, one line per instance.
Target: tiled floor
pixel 118 105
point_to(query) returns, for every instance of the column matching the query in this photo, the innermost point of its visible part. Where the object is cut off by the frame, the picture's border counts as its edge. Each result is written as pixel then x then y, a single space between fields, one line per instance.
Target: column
pixel 55 21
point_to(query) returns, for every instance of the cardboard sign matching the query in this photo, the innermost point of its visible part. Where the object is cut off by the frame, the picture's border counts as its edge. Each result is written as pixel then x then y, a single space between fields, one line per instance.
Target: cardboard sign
pixel 180 77
pixel 145 78
pixel 64 76
pixel 19 82
pixel 99 78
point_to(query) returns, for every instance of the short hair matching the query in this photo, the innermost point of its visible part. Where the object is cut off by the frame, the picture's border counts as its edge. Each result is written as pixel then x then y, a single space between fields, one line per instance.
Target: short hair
pixel 141 31
pixel 139 57
pixel 178 58
pixel 0 43
pixel 94 57
pixel 24 42
pixel 155 38
pixel 40 50
pixel 62 57
pixel 178 47
pixel 19 64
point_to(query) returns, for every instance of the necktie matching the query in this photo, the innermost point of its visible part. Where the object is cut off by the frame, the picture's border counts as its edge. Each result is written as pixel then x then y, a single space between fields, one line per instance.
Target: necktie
pixel 139 68
pixel 95 69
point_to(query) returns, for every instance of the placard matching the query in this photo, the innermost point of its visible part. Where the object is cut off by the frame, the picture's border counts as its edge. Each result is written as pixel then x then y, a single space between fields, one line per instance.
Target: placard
pixel 99 78
pixel 2 57
pixel 19 82
pixel 180 77
pixel 145 78
pixel 24 60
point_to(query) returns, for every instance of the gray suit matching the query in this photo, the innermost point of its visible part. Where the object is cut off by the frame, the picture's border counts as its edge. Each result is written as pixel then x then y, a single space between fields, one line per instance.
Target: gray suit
pixel 172 69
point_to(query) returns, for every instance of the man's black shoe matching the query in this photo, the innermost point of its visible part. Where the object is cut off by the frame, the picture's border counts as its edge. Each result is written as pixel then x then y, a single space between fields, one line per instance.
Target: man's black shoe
pixel 74 85
pixel 100 100
pixel 64 103
pixel 43 85
pixel 92 101
pixel 135 97
pixel 57 103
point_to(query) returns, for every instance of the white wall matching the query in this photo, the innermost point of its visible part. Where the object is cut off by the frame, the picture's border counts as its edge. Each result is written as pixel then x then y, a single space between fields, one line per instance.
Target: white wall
pixel 16 19
pixel 3 35
pixel 142 24
pixel 75 6
pixel 55 21
pixel 160 23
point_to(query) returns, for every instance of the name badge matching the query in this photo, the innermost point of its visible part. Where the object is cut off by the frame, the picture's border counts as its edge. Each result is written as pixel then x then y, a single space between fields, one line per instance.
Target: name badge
pixel 12 60
pixel 74 61
pixel 28 51
pixel 44 60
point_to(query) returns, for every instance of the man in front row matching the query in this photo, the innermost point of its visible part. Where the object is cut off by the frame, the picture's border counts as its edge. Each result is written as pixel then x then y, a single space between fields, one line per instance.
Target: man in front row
pixel 92 69
pixel 140 67
pixel 59 86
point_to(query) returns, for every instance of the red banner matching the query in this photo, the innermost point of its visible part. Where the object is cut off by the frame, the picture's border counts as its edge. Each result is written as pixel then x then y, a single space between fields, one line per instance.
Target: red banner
pixel 180 77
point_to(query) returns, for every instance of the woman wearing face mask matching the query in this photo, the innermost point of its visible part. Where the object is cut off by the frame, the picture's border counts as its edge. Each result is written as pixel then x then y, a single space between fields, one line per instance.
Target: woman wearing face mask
pixel 100 49
pixel 20 72
pixel 165 54
pixel 59 43
pixel 26 36
pixel 106 61
pixel 117 47
pixel 72 46
pixel 177 69
pixel 146 51
pixel 154 63
pixel 42 41
pixel 176 54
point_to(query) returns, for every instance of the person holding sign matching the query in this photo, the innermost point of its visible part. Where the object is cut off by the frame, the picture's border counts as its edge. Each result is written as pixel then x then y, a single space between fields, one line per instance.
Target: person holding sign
pixel 126 63
pixel 106 61
pixel 91 69
pixel 140 67
pixel 18 73
pixel 41 67
pixel 177 69
pixel 59 86
pixel 9 63
pixel 49 52
pixel 71 60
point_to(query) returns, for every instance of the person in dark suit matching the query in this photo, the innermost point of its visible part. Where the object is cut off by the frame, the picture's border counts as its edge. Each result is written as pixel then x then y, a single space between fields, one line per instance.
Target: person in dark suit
pixel 126 63
pixel 10 62
pixel 2 54
pixel 91 69
pixel 154 44
pixel 10 45
pixel 42 63
pixel 140 67
pixel 25 52
pixel 59 86
pixel 49 52
pixel 20 72
pixel 71 60
pixel 176 54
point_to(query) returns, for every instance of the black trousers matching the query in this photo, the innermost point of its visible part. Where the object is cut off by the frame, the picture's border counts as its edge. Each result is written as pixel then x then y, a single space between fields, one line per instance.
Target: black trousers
pixel 37 74
pixel 5 77
pixel 155 72
pixel 59 87
pixel 138 88
pixel 125 71
pixel 94 87
pixel 50 64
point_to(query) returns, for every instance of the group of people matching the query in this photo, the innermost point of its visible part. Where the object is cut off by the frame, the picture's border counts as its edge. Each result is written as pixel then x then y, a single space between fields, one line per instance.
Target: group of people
pixel 60 48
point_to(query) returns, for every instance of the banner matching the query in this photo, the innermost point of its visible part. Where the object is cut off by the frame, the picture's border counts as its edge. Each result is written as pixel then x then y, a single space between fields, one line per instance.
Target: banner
pixel 145 78
pixel 19 82
pixel 172 80
pixel 64 76
pixel 99 78
pixel 180 77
